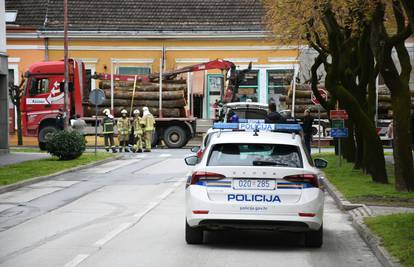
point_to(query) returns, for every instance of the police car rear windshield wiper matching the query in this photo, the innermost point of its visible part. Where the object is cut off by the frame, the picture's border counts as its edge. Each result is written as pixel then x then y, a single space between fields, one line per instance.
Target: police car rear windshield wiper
pixel 268 163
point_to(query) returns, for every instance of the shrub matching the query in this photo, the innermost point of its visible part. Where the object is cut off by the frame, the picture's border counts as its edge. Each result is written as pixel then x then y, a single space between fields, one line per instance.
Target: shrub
pixel 65 145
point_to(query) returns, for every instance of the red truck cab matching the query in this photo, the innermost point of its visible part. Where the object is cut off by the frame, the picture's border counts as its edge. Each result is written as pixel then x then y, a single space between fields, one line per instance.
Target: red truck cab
pixel 43 96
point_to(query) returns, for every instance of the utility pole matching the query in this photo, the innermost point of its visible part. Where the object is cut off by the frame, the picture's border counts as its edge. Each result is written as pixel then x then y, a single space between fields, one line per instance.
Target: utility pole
pixel 66 62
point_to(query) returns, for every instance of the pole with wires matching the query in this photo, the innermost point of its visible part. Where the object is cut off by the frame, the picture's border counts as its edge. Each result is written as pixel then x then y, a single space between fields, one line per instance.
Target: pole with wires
pixel 66 64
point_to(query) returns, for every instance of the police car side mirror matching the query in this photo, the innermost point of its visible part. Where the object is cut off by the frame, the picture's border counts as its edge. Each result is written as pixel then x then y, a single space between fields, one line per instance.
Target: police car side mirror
pixel 195 149
pixel 320 163
pixel 191 161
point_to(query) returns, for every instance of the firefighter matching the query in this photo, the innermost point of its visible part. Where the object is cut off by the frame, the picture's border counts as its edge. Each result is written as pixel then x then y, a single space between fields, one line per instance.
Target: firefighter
pixel 108 130
pixel 137 132
pixel 124 129
pixel 148 123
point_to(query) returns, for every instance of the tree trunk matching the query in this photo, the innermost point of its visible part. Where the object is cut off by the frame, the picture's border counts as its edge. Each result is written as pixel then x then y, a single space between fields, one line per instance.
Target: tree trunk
pixel 349 143
pixel 375 163
pixel 167 95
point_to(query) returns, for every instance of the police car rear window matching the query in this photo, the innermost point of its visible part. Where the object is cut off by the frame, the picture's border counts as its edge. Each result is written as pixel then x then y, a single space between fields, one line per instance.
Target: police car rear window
pixel 272 155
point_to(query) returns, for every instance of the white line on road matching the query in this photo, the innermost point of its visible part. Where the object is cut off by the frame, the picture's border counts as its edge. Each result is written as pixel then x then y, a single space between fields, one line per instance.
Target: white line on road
pixel 112 234
pixel 77 260
pixel 165 155
pixel 150 206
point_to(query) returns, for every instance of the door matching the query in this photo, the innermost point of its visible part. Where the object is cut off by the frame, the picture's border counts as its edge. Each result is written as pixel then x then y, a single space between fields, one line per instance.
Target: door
pixel 215 87
pixel 44 93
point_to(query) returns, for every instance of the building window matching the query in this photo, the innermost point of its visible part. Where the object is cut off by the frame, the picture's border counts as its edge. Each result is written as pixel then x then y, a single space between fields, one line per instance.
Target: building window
pixel 134 70
pixel 278 82
pixel 10 16
pixel 248 88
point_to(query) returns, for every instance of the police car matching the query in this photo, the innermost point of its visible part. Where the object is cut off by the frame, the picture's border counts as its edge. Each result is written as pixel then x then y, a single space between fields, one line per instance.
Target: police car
pixel 256 176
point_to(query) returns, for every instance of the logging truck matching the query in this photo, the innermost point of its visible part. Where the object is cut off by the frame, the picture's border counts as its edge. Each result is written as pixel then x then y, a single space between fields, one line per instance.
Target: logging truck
pixel 43 97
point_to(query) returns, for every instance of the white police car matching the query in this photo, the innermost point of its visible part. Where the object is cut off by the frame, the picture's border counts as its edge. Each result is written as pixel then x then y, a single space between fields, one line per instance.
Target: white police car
pixel 255 180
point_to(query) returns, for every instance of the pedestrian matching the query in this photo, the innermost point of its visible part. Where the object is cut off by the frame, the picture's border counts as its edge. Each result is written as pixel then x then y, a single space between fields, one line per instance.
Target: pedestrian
pixel 124 129
pixel 60 119
pixel 232 117
pixel 108 130
pixel 137 132
pixel 78 124
pixel 307 129
pixel 148 123
pixel 273 116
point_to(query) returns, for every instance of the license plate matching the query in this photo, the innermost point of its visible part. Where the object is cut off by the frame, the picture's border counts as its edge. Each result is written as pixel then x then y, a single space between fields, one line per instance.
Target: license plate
pixel 254 184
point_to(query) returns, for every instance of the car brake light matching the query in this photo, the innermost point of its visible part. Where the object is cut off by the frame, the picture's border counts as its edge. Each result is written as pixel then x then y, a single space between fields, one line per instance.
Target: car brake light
pixel 311 179
pixel 199 153
pixel 197 176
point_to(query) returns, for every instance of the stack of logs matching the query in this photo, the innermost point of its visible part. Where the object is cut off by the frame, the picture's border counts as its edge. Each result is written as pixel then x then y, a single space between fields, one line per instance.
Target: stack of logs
pixel 146 94
pixel 302 101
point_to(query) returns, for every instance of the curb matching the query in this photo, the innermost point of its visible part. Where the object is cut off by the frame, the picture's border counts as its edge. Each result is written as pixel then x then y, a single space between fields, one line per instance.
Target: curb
pixel 358 212
pixel 8 188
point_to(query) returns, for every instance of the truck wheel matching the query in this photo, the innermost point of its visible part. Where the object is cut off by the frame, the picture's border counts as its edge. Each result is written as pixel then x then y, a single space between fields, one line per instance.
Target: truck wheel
pixel 43 133
pixel 175 137
pixel 193 235
pixel 314 239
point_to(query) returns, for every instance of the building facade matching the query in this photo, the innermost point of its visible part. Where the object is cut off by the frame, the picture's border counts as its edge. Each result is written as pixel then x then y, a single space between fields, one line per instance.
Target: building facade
pixel 4 116
pixel 134 37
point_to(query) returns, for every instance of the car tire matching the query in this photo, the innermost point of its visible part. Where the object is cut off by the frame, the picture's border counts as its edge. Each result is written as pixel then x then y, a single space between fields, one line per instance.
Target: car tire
pixel 43 133
pixel 193 235
pixel 175 137
pixel 314 239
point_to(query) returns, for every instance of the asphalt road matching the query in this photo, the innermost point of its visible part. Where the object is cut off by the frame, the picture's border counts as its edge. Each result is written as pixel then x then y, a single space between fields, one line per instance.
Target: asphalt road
pixel 130 212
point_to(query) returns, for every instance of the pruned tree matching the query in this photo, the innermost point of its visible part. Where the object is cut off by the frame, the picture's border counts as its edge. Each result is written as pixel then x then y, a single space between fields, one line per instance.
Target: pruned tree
pixel 383 40
pixel 338 31
pixel 354 40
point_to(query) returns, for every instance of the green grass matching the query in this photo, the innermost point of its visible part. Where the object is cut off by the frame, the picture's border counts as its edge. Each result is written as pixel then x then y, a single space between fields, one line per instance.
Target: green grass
pixel 21 171
pixel 358 187
pixel 27 150
pixel 397 234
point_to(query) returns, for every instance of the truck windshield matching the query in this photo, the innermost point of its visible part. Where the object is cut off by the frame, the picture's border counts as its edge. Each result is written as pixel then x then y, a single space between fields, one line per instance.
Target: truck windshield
pixel 279 155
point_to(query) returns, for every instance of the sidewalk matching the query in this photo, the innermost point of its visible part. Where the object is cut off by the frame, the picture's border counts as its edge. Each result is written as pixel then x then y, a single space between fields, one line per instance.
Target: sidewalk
pixel 17 157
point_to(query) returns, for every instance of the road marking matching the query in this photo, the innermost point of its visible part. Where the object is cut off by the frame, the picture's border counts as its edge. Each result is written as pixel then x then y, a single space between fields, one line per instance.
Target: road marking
pixel 112 234
pixel 77 260
pixel 110 166
pixel 150 206
pixel 165 155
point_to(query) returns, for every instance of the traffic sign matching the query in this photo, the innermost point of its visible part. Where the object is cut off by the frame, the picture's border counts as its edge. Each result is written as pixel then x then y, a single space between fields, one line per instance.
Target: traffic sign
pixel 338 115
pixel 339 132
pixel 338 124
pixel 97 97
pixel 322 92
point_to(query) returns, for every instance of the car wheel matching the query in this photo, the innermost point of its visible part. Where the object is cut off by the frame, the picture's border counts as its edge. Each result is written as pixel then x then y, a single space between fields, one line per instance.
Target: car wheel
pixel 175 137
pixel 43 135
pixel 193 235
pixel 314 239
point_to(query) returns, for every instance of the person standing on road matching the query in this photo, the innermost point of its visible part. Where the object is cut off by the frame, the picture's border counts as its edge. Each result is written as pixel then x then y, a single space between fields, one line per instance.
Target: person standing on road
pixel 108 130
pixel 137 132
pixel 307 129
pixel 273 116
pixel 124 129
pixel 148 123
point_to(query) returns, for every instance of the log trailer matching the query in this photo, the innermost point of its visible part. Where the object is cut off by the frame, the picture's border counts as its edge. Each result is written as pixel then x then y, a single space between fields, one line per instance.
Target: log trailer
pixel 43 96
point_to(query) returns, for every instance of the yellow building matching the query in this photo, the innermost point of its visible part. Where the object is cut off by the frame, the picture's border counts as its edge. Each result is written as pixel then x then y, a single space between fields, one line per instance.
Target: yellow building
pixel 131 39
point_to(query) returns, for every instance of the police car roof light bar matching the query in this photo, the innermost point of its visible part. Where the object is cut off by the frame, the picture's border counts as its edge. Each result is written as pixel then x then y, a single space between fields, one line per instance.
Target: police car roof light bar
pixel 284 128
